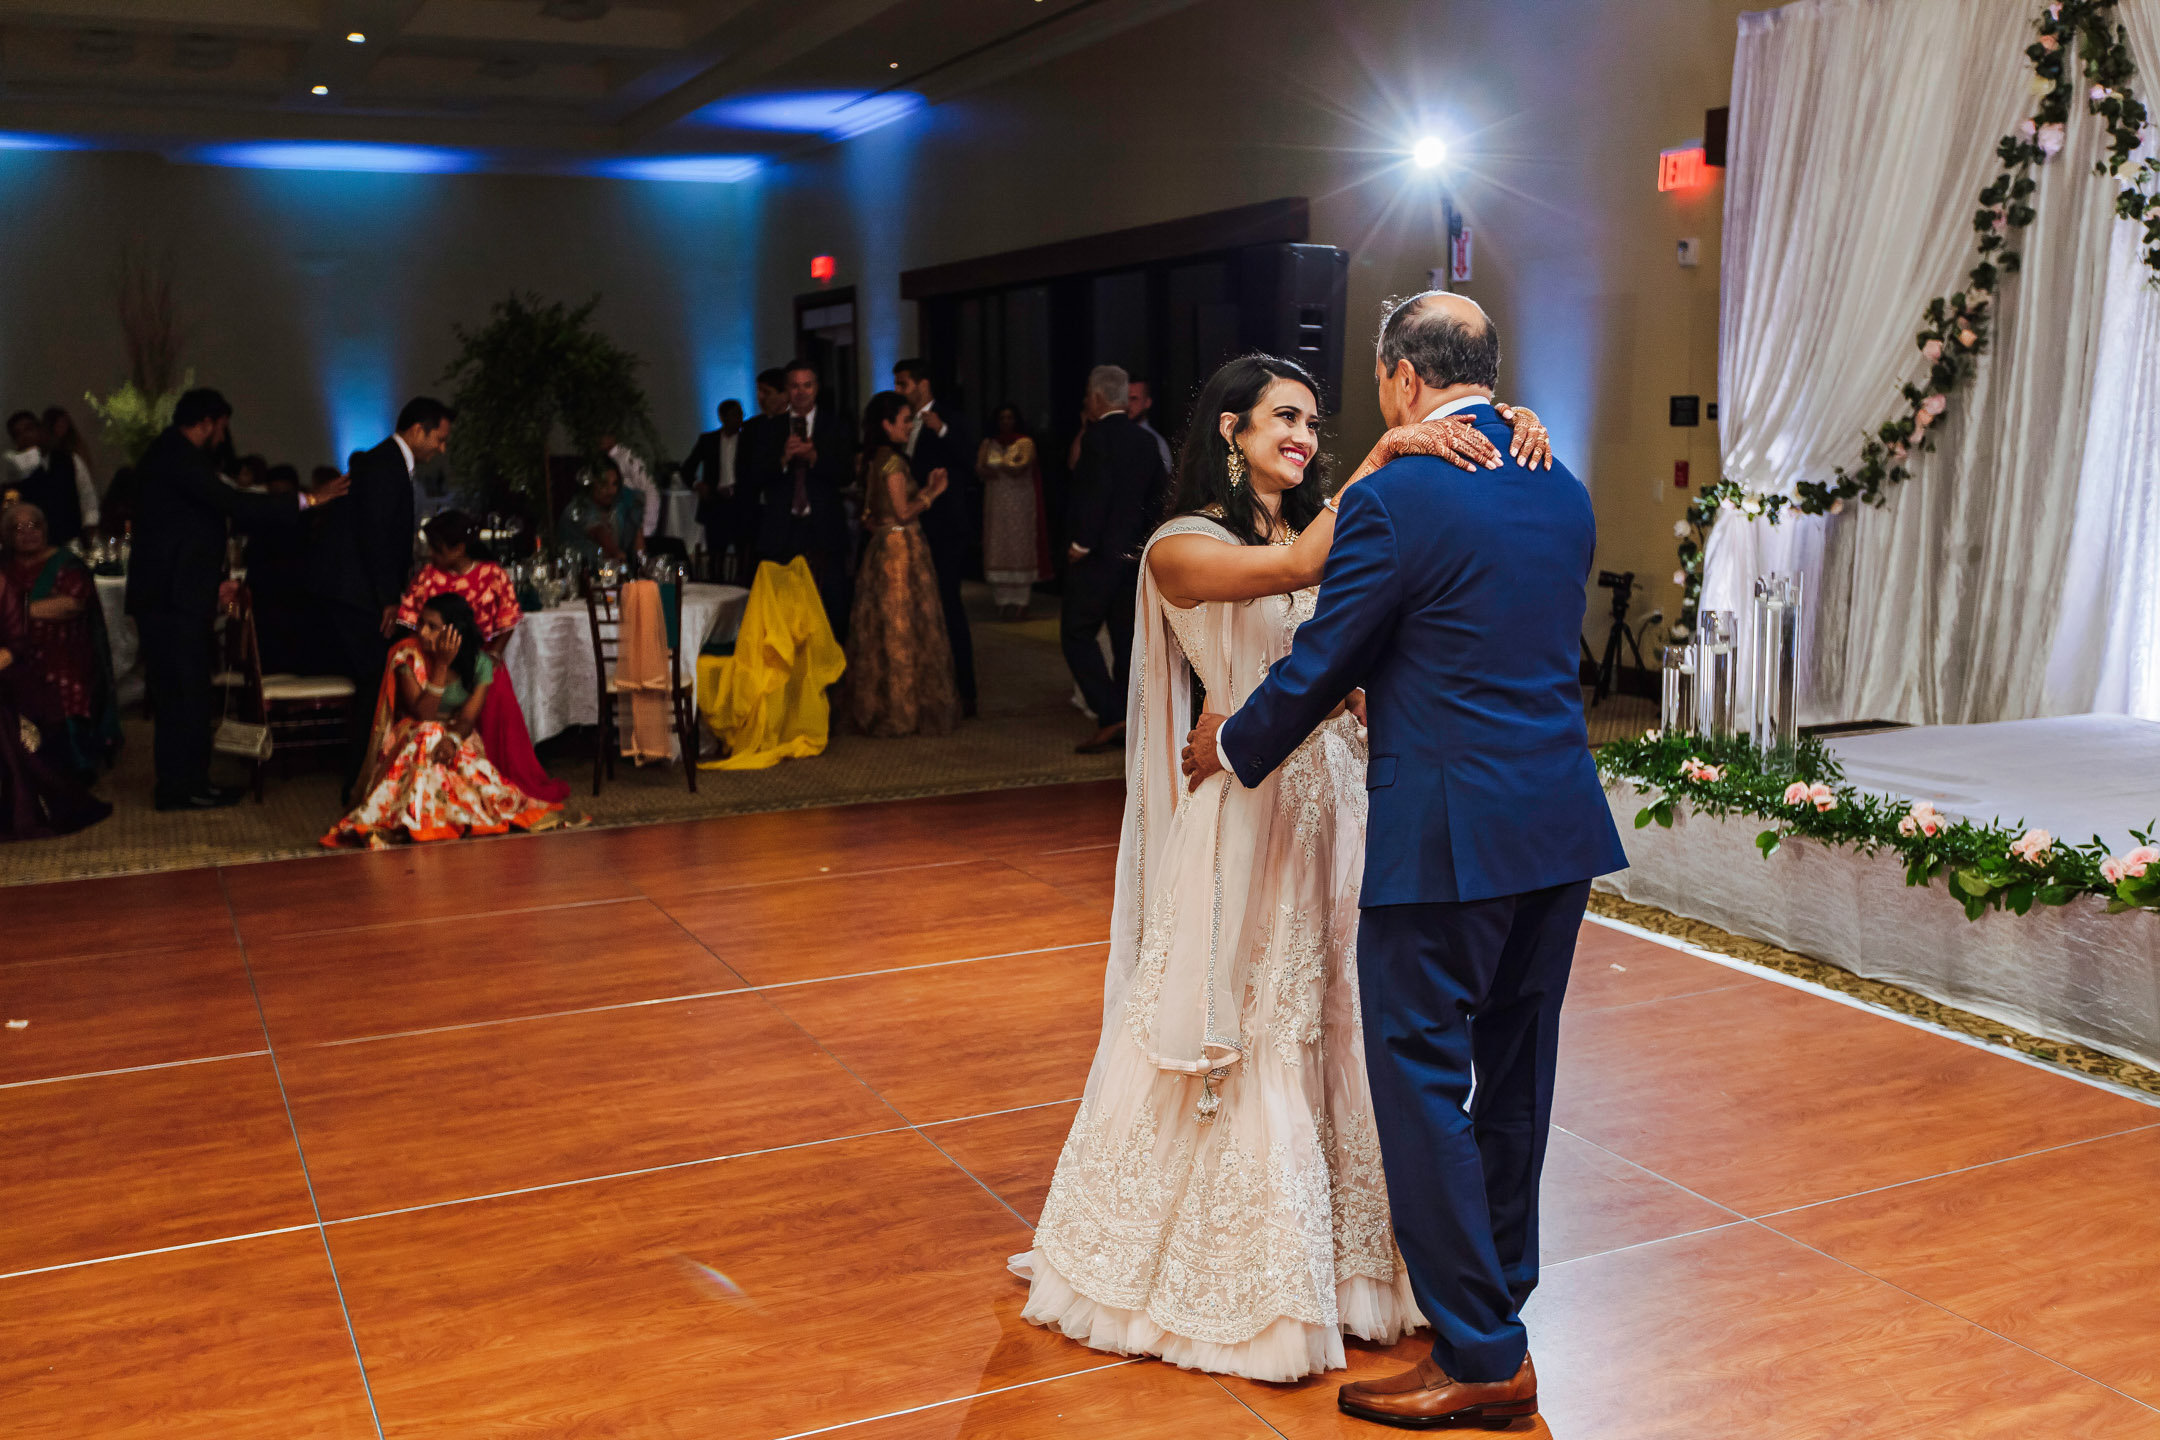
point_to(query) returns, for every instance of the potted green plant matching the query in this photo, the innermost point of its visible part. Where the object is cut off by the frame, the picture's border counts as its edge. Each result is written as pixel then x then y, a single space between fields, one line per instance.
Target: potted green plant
pixel 531 367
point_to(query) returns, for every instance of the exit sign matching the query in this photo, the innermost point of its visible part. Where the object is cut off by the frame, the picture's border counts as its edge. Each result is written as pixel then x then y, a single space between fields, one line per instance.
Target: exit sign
pixel 1682 169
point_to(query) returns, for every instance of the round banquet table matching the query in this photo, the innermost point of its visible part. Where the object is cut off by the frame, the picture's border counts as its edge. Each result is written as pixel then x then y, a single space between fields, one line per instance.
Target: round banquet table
pixel 550 655
pixel 120 632
pixel 678 515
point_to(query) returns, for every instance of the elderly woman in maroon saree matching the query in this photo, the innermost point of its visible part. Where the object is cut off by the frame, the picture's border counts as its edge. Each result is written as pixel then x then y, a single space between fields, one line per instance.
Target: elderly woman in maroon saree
pixel 39 797
pixel 65 660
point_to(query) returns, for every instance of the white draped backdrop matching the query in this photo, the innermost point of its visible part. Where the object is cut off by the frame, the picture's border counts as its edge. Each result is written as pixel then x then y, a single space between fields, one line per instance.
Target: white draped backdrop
pixel 2018 572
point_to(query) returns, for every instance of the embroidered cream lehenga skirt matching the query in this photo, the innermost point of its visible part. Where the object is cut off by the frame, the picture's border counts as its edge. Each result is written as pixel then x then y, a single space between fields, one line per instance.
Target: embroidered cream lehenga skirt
pixel 1235 1221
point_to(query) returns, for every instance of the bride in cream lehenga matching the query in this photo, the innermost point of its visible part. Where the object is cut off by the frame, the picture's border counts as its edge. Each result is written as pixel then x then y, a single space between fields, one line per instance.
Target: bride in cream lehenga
pixel 1219 1201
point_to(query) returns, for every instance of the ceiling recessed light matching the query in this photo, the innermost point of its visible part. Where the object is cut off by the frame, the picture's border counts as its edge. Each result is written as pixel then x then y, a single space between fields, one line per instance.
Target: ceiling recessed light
pixel 892 65
pixel 357 38
pixel 318 90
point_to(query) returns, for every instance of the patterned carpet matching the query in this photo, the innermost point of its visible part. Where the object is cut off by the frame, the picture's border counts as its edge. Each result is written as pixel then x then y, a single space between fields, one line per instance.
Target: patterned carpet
pixel 1023 738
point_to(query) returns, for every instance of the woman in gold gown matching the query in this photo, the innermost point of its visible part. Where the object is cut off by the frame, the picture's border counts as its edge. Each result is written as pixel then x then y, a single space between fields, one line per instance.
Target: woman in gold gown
pixel 899 658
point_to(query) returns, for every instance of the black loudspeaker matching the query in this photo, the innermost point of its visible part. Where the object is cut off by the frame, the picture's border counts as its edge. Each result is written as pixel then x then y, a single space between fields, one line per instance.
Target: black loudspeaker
pixel 1292 301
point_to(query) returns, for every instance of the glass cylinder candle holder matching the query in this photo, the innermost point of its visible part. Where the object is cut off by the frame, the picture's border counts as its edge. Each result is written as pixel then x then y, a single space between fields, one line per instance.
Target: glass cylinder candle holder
pixel 1776 666
pixel 1717 674
pixel 1676 705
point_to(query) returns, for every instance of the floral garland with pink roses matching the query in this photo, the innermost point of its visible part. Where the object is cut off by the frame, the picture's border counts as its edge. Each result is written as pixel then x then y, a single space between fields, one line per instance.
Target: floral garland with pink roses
pixel 1988 867
pixel 1955 332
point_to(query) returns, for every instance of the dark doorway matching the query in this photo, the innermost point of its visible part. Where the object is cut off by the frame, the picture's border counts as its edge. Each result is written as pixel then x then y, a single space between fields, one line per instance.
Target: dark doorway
pixel 825 336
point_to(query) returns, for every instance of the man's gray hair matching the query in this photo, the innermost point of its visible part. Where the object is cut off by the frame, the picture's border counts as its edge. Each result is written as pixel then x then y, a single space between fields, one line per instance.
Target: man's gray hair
pixel 1110 384
pixel 1443 350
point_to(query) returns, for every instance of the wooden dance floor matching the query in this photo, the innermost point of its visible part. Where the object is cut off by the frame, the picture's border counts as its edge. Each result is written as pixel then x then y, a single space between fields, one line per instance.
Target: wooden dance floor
pixel 727 1128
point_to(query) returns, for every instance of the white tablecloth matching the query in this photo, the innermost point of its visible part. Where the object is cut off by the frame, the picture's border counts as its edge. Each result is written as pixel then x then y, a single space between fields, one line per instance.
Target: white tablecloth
pixel 550 655
pixel 120 631
pixel 678 515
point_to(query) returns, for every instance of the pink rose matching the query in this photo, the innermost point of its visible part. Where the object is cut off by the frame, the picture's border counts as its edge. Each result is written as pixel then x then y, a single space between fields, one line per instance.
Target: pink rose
pixel 2054 9
pixel 2049 42
pixel 2032 847
pixel 1796 794
pixel 2135 862
pixel 1822 797
pixel 2051 139
pixel 1933 351
pixel 2099 93
pixel 1935 404
pixel 1923 820
pixel 1968 339
pixel 2111 870
pixel 2028 127
pixel 1924 418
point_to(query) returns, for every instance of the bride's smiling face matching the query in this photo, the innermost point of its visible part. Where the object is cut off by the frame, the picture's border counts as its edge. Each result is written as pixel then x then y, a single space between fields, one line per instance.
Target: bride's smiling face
pixel 1280 438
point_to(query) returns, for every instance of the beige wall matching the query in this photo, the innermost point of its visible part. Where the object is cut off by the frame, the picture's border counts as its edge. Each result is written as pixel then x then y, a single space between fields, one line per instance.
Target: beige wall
pixel 1563 106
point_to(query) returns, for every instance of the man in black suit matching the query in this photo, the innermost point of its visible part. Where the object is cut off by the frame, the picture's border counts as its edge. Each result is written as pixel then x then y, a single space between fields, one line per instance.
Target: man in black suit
pixel 1116 491
pixel 805 459
pixel 726 509
pixel 360 556
pixel 172 585
pixel 942 439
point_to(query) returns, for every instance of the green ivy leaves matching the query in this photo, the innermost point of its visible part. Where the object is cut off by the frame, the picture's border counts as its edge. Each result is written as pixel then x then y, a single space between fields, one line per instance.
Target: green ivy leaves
pixel 1984 870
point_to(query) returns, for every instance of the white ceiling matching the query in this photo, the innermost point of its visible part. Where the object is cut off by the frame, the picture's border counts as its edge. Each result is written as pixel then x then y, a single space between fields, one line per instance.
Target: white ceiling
pixel 539 77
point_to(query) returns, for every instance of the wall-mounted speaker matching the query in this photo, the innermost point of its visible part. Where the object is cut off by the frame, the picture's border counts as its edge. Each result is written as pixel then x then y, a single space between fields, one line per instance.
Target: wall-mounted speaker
pixel 1293 301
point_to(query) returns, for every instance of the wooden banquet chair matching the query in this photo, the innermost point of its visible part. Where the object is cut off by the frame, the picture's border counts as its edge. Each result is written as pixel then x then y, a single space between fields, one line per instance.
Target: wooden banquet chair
pixel 279 713
pixel 603 614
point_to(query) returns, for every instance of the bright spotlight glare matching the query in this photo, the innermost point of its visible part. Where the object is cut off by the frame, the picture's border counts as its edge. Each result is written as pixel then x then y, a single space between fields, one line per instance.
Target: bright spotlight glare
pixel 1429 153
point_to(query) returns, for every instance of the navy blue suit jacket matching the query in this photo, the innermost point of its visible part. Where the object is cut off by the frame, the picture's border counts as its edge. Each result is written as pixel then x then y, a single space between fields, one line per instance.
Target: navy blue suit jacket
pixel 1455 598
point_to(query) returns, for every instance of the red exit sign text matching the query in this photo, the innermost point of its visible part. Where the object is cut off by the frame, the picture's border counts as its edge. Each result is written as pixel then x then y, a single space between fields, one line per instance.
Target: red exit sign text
pixel 1682 169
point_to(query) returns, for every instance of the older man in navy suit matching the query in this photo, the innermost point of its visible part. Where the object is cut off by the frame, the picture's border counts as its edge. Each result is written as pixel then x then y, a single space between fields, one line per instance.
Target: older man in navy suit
pixel 1455 600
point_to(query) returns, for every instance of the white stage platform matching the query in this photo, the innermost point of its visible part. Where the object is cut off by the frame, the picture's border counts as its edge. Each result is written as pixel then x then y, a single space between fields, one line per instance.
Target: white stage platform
pixel 2075 973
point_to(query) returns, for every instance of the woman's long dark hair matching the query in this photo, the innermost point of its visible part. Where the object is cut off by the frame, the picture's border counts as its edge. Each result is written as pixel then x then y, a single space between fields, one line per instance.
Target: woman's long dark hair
pixel 457 614
pixel 882 407
pixel 1203 468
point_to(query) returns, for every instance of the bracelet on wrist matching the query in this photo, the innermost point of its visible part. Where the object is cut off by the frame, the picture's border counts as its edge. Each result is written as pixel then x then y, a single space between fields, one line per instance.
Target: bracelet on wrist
pixel 436 689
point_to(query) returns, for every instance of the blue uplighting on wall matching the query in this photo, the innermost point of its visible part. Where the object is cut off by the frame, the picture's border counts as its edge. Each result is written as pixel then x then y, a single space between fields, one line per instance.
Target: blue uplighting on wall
pixel 357 375
pixel 685 169
pixel 839 114
pixel 313 155
pixel 704 241
pixel 879 175
pixel 23 140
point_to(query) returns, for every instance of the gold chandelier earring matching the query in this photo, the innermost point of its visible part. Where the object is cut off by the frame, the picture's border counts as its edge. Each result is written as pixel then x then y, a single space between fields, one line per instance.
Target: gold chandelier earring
pixel 1236 467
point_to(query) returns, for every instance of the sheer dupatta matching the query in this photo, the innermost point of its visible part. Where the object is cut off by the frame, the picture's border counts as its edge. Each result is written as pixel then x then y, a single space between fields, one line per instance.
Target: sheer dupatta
pixel 1179 920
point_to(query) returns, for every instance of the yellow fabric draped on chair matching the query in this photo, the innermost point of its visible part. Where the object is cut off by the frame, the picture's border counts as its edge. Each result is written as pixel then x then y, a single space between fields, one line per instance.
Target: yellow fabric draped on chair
pixel 767 701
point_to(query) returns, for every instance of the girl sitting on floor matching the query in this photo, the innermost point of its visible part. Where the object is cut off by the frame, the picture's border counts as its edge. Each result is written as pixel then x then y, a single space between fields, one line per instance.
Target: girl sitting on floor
pixel 428 774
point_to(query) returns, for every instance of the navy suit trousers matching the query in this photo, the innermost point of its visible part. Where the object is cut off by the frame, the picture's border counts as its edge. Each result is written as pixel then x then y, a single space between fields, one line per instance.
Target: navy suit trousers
pixel 1461 1004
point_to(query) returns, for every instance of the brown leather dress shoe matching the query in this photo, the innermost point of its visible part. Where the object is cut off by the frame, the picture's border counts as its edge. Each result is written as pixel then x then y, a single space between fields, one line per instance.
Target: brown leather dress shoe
pixel 1426 1399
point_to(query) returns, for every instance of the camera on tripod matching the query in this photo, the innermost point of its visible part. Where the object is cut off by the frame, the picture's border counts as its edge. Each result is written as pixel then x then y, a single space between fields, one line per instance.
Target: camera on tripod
pixel 1607 666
